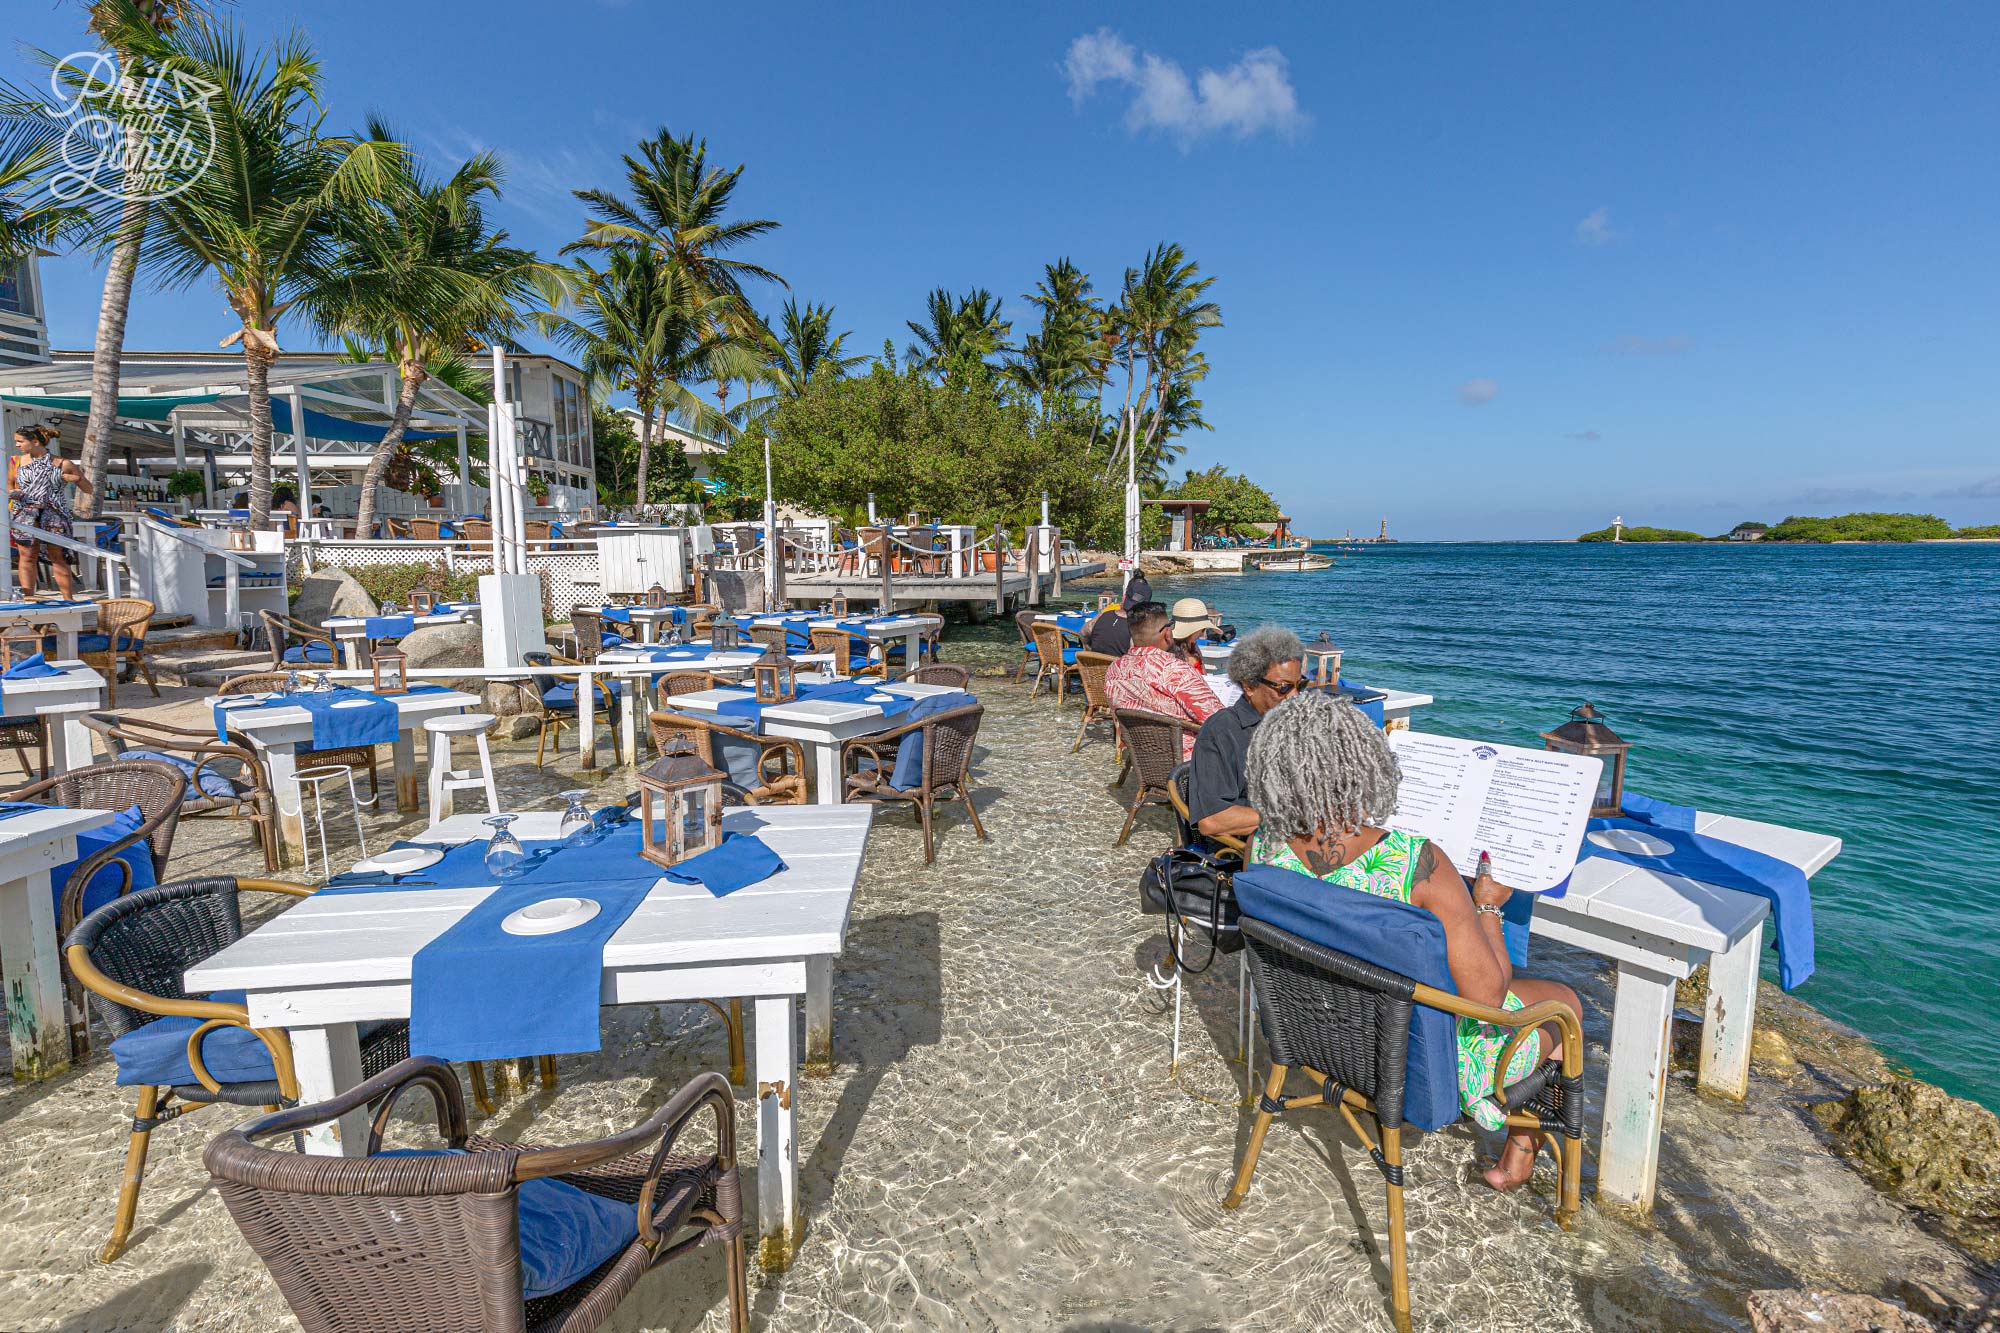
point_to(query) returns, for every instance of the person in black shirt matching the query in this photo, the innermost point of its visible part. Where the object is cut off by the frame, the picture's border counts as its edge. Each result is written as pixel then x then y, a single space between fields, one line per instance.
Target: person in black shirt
pixel 1268 665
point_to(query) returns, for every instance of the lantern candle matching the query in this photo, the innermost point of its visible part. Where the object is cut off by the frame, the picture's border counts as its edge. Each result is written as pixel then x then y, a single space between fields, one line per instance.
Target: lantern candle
pixel 1587 733
pixel 680 806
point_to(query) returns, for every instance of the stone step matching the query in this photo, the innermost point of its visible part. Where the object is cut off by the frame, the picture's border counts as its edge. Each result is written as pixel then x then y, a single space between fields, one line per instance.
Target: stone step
pixel 207 666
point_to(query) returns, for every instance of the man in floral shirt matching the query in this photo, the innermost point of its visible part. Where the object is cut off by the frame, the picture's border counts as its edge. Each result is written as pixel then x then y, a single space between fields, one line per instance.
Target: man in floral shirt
pixel 1155 679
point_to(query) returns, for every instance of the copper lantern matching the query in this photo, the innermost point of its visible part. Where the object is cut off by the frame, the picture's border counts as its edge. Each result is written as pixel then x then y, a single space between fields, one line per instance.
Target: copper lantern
pixel 1323 661
pixel 680 806
pixel 837 608
pixel 392 672
pixel 723 634
pixel 1587 733
pixel 656 596
pixel 421 601
pixel 773 675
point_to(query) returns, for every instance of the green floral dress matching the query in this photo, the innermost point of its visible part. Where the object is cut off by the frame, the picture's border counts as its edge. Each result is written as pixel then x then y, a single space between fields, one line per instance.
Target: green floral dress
pixel 1388 870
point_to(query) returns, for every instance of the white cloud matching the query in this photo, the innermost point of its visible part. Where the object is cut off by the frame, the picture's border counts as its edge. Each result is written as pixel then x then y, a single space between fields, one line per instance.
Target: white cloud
pixel 1596 229
pixel 1478 392
pixel 1638 344
pixel 1251 96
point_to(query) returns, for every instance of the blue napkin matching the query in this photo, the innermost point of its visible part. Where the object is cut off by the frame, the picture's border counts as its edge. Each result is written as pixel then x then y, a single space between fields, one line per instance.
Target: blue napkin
pixel 468 1000
pixel 620 614
pixel 741 860
pixel 388 627
pixel 910 750
pixel 32 667
pixel 1367 700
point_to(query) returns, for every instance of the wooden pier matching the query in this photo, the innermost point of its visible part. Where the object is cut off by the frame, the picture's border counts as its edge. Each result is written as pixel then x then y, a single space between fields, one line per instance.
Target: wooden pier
pixel 998 590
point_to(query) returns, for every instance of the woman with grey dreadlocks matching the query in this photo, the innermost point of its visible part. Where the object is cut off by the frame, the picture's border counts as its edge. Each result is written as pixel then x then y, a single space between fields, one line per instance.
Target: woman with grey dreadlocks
pixel 1322 779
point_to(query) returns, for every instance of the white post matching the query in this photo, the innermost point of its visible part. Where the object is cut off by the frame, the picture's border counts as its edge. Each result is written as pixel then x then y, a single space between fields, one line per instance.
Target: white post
pixel 299 448
pixel 7 512
pixel 208 477
pixel 494 419
pixel 1131 515
pixel 871 509
pixel 464 469
pixel 1045 509
pixel 180 444
pixel 773 551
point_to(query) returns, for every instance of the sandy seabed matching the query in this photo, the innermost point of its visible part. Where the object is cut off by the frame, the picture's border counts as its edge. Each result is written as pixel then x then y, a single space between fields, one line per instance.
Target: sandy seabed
pixel 1000 1145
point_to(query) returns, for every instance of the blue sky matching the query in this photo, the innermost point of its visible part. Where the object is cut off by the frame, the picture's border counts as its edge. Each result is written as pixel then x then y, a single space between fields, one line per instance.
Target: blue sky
pixel 1488 271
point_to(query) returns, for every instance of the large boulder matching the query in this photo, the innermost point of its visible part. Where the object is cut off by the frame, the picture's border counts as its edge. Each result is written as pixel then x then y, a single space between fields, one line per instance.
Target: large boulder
pixel 1830 1312
pixel 1928 1148
pixel 460 645
pixel 331 592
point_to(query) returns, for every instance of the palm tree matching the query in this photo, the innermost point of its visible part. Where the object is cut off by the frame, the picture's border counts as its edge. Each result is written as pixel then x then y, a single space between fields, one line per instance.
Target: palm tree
pixel 679 206
pixel 262 220
pixel 31 220
pixel 1163 311
pixel 956 336
pixel 117 23
pixel 802 351
pixel 422 276
pixel 1061 359
pixel 641 328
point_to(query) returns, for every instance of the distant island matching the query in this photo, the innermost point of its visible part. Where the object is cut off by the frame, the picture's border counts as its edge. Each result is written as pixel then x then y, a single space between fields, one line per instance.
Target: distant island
pixel 1840 528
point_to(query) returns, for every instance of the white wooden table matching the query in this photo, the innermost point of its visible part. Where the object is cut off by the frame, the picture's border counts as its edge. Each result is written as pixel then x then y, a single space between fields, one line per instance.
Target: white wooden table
pixel 645 619
pixel 281 730
pixel 61 701
pixel 337 960
pixel 68 620
pixel 821 725
pixel 351 632
pixel 1658 928
pixel 880 633
pixel 31 845
pixel 1397 706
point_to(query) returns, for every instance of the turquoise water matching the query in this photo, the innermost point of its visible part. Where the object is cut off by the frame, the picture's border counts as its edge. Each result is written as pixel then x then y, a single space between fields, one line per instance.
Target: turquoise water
pixel 1853 690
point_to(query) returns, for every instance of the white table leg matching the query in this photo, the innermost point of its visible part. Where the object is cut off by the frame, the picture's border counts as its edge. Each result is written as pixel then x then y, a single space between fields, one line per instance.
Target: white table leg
pixel 1628 1163
pixel 350 653
pixel 1731 1015
pixel 66 643
pixel 649 628
pixel 777 1147
pixel 586 720
pixel 328 1062
pixel 69 742
pixel 31 974
pixel 628 718
pixel 283 765
pixel 405 762
pixel 826 771
pixel 819 1015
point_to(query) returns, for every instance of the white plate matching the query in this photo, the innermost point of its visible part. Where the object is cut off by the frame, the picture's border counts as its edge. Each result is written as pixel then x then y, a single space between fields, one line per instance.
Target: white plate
pixel 550 916
pixel 881 698
pixel 401 860
pixel 1631 842
pixel 353 703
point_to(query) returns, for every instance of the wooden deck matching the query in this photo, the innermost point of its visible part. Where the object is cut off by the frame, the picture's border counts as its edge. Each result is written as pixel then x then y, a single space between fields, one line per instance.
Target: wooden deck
pixel 998 591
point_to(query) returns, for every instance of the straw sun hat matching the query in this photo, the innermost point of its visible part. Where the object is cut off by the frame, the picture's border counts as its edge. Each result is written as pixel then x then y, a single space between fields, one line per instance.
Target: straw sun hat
pixel 1192 617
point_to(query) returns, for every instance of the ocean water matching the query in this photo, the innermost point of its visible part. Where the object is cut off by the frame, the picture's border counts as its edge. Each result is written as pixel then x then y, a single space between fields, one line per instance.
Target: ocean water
pixel 1853 690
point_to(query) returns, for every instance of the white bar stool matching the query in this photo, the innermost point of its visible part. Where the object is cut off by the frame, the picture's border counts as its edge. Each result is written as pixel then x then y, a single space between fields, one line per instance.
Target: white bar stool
pixel 316 778
pixel 444 779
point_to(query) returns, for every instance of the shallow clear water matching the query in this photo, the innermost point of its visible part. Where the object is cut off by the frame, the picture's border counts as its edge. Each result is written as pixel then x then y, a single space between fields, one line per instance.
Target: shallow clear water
pixel 1849 689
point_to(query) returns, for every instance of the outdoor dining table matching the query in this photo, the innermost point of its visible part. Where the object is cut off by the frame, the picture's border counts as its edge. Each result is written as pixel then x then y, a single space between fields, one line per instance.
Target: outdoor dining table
pixel 1397 705
pixel 32 844
pixel 62 701
pixel 1658 927
pixel 880 632
pixel 645 619
pixel 279 731
pixel 68 618
pixel 351 632
pixel 337 960
pixel 820 725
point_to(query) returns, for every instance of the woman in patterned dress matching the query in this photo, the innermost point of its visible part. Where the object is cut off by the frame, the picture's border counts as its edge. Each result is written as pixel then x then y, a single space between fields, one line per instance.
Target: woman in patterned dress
pixel 36 496
pixel 1322 778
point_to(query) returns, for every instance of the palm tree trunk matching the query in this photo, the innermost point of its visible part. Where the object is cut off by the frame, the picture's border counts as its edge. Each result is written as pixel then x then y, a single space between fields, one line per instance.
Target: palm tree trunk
pixel 104 364
pixel 413 377
pixel 645 455
pixel 257 377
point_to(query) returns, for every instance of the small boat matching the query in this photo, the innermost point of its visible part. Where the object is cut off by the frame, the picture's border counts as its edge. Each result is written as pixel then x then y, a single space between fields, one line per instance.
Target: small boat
pixel 1292 562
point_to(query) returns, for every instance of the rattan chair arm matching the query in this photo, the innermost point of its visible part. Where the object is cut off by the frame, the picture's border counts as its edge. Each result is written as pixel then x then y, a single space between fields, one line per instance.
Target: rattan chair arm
pixel 864 746
pixel 678 1109
pixel 93 978
pixel 1530 1021
pixel 713 1091
pixel 446 1097
pixel 383 1084
pixel 790 754
pixel 275 1040
pixel 286 887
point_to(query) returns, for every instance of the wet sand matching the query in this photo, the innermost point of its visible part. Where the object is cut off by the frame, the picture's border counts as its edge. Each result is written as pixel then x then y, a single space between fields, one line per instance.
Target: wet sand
pixel 1000 1144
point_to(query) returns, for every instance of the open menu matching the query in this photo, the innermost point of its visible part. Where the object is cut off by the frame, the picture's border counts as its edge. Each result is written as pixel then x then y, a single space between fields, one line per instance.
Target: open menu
pixel 1527 808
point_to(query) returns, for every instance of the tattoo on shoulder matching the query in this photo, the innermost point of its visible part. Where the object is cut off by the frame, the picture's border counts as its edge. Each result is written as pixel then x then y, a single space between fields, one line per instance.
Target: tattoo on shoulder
pixel 1426 861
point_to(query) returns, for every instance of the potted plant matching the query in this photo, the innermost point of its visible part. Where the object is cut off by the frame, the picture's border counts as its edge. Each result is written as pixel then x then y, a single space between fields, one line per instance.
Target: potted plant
pixel 186 484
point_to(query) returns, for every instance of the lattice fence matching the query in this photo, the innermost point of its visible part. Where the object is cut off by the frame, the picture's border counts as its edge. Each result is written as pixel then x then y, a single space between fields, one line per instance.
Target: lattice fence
pixel 569 573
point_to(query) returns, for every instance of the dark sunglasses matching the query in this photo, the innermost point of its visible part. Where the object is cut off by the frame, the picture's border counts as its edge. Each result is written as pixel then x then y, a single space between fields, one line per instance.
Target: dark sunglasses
pixel 1277 687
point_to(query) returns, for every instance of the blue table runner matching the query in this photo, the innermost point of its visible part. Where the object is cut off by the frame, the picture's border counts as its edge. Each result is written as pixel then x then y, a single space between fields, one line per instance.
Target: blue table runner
pixel 843 691
pixel 388 627
pixel 375 722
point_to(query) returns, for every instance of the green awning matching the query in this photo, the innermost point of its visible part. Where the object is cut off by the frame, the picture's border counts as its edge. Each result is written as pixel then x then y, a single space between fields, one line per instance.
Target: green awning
pixel 145 407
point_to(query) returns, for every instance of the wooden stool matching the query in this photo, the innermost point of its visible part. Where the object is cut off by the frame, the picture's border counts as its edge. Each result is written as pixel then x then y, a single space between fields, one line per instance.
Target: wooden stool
pixel 444 779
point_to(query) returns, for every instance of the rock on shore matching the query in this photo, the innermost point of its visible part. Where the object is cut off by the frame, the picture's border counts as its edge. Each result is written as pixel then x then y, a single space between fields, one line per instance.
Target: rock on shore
pixel 1928 1148
pixel 1830 1312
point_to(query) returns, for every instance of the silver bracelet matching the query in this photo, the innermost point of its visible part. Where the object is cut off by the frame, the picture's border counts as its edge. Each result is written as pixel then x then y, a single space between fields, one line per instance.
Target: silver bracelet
pixel 1487 909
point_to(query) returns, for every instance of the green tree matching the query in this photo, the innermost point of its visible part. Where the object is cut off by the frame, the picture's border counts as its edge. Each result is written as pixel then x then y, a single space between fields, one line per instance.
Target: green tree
pixel 956 337
pixel 1065 358
pixel 1235 503
pixel 802 350
pixel 260 221
pixel 1161 312
pixel 422 275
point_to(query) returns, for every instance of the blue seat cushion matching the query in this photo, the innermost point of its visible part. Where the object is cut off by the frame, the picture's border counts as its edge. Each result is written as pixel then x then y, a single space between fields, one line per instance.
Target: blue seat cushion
pixel 563 697
pixel 566 1232
pixel 1069 656
pixel 1398 936
pixel 312 652
pixel 105 884
pixel 909 772
pixel 156 1055
pixel 208 782
pixel 101 643
pixel 611 640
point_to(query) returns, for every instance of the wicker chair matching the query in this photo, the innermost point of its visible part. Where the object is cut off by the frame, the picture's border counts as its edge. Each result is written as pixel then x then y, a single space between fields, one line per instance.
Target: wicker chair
pixel 1345 1025
pixel 781 763
pixel 687 682
pixel 433 1242
pixel 350 756
pixel 1024 621
pixel 1153 746
pixel 558 706
pixel 948 739
pixel 843 644
pixel 237 765
pixel 770 636
pixel 120 643
pixel 1054 660
pixel 22 732
pixel 1090 669
pixel 1190 836
pixel 426 529
pixel 396 528
pixel 588 627
pixel 537 529
pixel 475 529
pixel 156 787
pixel 131 955
pixel 942 673
pixel 279 631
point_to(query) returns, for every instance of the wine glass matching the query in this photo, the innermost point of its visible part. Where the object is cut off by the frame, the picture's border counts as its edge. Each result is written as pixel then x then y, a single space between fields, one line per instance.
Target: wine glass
pixel 292 683
pixel 504 853
pixel 577 825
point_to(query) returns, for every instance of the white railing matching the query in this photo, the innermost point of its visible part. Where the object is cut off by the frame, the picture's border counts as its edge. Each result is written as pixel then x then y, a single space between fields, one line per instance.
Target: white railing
pixel 111 561
pixel 568 566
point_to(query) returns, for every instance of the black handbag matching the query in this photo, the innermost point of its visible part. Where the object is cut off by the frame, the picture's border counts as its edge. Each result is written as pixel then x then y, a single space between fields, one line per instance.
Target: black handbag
pixel 1196 886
